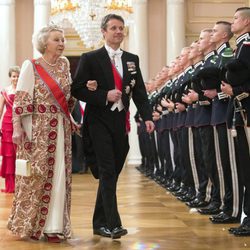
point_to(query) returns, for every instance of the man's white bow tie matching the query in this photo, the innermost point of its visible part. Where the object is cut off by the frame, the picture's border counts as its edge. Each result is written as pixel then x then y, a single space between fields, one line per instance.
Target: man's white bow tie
pixel 117 53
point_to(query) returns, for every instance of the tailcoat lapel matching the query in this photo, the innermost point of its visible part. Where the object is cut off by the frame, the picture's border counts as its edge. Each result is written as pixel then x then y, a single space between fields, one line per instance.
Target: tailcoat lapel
pixel 105 63
pixel 126 75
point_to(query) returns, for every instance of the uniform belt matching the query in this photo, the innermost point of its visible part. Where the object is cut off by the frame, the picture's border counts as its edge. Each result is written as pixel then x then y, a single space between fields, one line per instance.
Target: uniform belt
pixel 165 112
pixel 204 103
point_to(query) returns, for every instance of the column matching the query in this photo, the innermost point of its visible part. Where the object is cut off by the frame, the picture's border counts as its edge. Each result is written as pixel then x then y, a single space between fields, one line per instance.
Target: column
pixel 175 28
pixel 138 44
pixel 41 17
pixel 7 40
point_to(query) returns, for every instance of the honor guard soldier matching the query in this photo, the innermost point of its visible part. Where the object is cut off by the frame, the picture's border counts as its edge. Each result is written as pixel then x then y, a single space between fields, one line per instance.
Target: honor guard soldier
pixel 237 86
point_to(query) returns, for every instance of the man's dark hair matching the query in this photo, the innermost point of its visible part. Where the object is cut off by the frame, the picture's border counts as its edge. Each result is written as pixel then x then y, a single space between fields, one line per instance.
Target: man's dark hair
pixel 227 26
pixel 107 18
pixel 242 8
pixel 244 12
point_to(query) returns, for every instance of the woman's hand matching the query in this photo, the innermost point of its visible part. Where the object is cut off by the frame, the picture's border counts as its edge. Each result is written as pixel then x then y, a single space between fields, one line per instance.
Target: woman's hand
pixel 92 85
pixel 75 126
pixel 18 134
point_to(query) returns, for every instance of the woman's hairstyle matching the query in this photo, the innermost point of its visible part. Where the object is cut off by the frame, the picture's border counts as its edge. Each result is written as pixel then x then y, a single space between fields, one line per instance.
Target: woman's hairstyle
pixel 15 69
pixel 41 37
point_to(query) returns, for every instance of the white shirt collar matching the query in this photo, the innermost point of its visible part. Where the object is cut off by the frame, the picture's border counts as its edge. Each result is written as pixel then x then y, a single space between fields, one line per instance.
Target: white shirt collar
pixel 113 52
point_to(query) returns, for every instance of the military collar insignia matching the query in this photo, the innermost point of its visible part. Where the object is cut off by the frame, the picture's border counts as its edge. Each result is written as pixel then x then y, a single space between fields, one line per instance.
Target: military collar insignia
pixel 212 53
pixel 243 37
pixel 187 69
pixel 174 79
pixel 222 47
pixel 198 64
pixel 169 83
pixel 180 75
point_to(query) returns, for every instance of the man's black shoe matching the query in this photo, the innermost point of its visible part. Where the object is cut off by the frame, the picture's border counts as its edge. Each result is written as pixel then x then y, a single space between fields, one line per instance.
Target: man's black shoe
pixel 197 203
pixel 242 231
pixel 102 231
pixel 118 232
pixel 190 196
pixel 168 183
pixel 212 208
pixel 181 192
pixel 210 211
pixel 174 187
pixel 223 218
pixel 232 230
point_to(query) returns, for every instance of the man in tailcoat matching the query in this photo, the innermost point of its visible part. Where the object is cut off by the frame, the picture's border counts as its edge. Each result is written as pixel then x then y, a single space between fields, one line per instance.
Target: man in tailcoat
pixel 118 78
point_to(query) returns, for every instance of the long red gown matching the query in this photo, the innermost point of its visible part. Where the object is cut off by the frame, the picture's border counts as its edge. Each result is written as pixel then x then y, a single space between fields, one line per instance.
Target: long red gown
pixel 7 169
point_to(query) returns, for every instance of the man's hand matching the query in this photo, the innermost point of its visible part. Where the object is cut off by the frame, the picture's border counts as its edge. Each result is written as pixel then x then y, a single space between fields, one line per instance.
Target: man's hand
pixel 156 116
pixel 159 108
pixel 210 93
pixel 149 126
pixel 193 95
pixel 164 103
pixel 75 127
pixel 92 85
pixel 226 88
pixel 181 107
pixel 114 95
pixel 186 99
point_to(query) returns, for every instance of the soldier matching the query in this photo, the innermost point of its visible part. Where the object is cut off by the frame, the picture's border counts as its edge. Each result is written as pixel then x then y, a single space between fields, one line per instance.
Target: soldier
pixel 182 131
pixel 205 131
pixel 227 171
pixel 238 88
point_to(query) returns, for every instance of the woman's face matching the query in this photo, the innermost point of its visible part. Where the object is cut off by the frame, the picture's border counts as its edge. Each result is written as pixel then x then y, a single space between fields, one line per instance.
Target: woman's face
pixel 14 78
pixel 55 43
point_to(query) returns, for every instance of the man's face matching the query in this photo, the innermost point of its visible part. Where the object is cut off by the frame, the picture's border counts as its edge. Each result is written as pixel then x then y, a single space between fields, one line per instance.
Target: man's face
pixel 193 51
pixel 184 57
pixel 114 33
pixel 239 23
pixel 204 41
pixel 164 73
pixel 218 34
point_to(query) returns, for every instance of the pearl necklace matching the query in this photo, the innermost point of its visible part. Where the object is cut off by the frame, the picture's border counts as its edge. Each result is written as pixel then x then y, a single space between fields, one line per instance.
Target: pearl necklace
pixel 50 64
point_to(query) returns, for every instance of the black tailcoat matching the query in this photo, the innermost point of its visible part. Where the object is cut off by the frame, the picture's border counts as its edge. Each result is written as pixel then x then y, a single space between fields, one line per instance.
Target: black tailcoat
pixel 104 130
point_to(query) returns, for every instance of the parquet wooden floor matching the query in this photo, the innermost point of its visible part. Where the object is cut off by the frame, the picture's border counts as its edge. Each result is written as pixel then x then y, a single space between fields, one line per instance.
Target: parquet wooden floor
pixel 154 219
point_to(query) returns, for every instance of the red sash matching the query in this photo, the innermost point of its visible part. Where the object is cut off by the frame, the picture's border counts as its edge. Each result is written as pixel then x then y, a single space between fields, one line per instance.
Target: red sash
pixel 7 99
pixel 118 84
pixel 54 88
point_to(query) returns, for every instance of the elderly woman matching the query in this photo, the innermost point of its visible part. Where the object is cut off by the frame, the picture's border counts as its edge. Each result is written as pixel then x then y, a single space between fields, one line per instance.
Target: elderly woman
pixel 7 169
pixel 42 131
